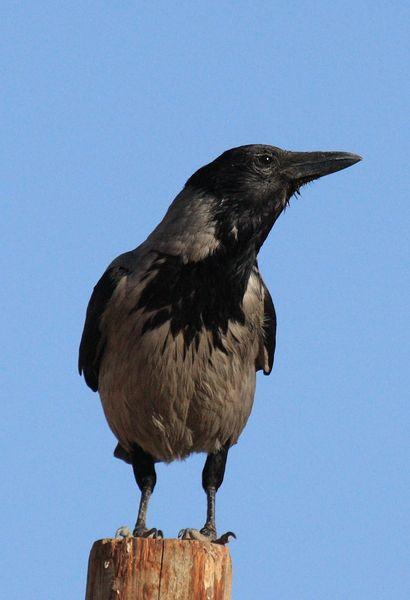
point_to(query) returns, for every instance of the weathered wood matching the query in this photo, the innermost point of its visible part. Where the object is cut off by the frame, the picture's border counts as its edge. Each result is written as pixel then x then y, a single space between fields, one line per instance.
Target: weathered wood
pixel 148 569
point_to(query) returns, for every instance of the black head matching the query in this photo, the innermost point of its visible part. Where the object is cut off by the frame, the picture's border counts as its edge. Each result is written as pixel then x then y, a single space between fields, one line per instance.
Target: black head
pixel 252 185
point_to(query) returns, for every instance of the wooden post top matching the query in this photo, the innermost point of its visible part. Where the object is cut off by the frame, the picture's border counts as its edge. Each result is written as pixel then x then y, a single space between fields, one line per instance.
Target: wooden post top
pixel 163 569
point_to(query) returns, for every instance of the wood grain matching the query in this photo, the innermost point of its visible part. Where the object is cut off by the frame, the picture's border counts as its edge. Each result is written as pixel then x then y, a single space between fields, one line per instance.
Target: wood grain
pixel 148 569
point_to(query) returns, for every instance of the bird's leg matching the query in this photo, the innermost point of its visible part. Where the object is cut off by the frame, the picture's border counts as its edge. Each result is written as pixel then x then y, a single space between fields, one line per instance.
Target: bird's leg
pixel 146 478
pixel 212 478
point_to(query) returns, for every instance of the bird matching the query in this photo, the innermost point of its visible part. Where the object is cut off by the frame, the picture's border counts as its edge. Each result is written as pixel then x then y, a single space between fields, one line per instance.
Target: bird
pixel 176 329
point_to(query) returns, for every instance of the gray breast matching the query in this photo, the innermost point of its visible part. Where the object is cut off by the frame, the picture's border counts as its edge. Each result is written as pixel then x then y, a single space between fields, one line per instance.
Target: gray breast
pixel 173 400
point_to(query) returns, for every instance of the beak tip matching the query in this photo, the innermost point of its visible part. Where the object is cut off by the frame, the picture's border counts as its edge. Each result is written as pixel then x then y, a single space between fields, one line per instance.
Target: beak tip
pixel 356 158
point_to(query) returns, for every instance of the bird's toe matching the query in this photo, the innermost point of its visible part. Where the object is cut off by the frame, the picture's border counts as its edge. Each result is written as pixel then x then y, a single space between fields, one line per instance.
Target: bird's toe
pixel 123 532
pixel 225 538
pixel 209 532
pixel 193 534
pixel 152 533
pixel 206 534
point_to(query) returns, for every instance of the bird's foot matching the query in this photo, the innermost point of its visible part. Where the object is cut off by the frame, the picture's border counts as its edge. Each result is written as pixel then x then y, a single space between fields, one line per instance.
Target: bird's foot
pixel 193 534
pixel 153 533
pixel 123 532
pixel 206 534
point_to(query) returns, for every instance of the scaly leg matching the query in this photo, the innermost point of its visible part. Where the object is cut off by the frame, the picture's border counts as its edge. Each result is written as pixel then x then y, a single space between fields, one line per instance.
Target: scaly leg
pixel 144 471
pixel 212 478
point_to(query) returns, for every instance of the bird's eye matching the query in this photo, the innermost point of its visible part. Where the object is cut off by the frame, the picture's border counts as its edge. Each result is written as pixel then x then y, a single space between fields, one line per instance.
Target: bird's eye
pixel 265 160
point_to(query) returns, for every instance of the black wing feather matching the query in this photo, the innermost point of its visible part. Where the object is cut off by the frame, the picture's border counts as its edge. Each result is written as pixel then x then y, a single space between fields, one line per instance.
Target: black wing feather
pixel 92 341
pixel 269 329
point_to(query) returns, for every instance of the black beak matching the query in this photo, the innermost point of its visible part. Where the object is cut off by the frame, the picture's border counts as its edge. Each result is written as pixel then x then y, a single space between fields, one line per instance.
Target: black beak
pixel 302 167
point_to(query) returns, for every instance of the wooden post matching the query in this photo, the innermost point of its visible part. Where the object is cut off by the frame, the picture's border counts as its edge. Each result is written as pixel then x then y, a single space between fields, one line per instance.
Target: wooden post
pixel 148 569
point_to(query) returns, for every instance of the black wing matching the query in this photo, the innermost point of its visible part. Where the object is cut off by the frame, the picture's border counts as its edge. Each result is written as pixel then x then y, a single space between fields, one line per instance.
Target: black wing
pixel 92 341
pixel 267 347
pixel 269 330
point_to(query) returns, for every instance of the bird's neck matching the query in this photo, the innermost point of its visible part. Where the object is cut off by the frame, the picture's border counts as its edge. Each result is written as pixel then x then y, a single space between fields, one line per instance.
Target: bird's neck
pixel 234 265
pixel 243 235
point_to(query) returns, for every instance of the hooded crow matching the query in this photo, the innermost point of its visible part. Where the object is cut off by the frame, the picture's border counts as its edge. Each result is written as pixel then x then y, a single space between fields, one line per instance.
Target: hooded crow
pixel 176 329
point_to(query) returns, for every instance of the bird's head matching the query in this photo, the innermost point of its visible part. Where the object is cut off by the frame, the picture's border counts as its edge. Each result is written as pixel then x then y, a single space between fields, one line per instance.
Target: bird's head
pixel 251 185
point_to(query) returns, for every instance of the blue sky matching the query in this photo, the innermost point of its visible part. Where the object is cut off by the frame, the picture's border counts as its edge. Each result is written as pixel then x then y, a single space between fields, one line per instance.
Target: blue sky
pixel 107 108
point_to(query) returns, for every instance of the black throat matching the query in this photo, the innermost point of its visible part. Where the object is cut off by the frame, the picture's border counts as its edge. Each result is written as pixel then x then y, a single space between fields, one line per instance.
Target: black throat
pixel 194 296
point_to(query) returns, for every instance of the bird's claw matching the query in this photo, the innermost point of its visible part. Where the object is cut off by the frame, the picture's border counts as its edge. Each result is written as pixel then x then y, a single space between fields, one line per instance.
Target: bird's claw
pixel 205 535
pixel 152 533
pixel 124 532
pixel 225 538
